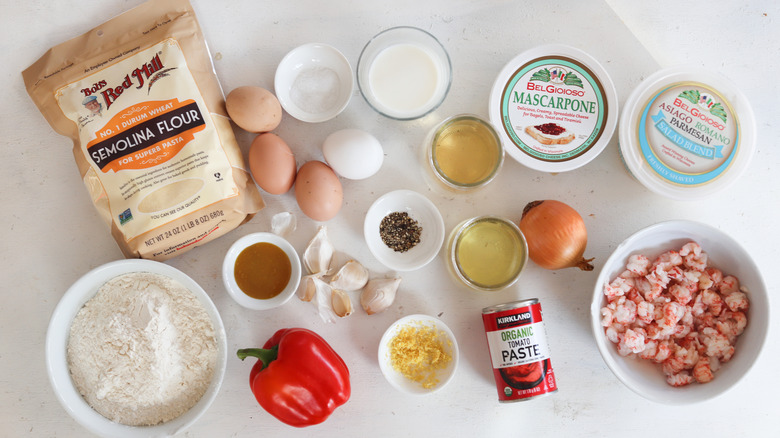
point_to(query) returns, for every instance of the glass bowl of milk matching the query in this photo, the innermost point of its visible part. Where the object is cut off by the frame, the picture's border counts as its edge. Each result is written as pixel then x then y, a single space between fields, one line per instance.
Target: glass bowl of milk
pixel 404 73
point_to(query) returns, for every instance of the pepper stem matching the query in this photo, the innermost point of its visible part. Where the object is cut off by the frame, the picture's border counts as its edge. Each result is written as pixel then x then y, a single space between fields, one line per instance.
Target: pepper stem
pixel 265 355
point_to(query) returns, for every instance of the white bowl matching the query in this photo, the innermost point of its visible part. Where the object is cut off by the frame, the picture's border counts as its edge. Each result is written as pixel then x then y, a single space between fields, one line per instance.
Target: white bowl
pixel 229 278
pixel 398 380
pixel 314 82
pixel 420 209
pixel 646 378
pixel 57 341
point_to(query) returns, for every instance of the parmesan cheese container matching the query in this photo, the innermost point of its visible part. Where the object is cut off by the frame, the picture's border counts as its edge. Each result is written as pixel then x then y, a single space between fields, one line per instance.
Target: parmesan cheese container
pixel 555 108
pixel 687 133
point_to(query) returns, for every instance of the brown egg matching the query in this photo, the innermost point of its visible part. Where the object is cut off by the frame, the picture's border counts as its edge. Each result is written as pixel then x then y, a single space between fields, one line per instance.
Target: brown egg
pixel 254 109
pixel 272 163
pixel 318 191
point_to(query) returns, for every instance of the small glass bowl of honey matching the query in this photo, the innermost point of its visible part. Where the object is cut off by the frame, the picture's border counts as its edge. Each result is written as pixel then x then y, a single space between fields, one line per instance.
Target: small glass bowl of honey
pixel 486 253
pixel 463 152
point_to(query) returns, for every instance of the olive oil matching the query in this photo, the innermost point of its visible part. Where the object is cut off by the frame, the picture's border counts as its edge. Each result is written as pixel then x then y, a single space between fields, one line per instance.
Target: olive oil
pixel 466 152
pixel 488 253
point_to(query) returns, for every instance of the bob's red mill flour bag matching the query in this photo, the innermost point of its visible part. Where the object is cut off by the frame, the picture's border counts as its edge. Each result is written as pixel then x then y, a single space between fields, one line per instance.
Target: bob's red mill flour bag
pixel 140 99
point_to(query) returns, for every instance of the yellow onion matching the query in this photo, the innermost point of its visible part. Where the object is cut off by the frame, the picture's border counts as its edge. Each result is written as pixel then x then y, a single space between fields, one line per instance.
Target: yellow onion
pixel 555 234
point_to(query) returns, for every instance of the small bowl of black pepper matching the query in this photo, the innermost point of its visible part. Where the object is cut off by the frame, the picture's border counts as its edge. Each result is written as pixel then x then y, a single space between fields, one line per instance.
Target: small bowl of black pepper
pixel 404 230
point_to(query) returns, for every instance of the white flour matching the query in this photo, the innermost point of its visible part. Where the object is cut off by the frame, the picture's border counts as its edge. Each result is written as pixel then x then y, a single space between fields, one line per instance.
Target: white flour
pixel 143 350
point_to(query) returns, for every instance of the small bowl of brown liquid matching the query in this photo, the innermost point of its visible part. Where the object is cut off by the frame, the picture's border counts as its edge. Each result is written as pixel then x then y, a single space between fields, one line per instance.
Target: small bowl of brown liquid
pixel 463 153
pixel 261 271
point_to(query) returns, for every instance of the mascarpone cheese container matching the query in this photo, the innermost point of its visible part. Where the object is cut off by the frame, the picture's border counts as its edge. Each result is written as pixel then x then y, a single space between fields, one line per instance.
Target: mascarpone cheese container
pixel 555 108
pixel 687 133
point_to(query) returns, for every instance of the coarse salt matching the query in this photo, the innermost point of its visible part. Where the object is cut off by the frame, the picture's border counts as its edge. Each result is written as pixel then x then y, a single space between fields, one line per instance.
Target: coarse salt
pixel 316 90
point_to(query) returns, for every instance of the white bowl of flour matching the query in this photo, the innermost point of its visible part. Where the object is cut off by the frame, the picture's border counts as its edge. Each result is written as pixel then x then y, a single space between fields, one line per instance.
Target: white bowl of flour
pixel 136 348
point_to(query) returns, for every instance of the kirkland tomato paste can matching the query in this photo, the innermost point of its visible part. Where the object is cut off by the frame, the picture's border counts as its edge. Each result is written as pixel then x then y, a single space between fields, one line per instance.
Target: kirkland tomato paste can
pixel 518 350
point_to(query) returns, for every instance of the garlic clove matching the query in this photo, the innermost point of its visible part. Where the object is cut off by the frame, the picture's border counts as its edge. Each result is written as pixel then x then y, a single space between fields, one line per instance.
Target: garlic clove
pixel 323 295
pixel 351 276
pixel 341 303
pixel 319 253
pixel 379 294
pixel 283 223
pixel 307 289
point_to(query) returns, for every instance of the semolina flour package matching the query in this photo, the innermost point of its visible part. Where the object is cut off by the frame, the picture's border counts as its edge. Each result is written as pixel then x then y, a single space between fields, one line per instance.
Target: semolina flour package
pixel 139 97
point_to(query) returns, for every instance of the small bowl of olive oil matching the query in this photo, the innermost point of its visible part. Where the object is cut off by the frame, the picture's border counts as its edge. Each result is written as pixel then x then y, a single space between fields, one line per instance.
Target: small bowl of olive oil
pixel 487 253
pixel 464 152
pixel 261 271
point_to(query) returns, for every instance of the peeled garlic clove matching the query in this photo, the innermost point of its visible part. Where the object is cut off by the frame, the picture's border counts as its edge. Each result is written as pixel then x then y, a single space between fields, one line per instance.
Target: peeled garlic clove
pixel 351 276
pixel 283 223
pixel 319 253
pixel 341 303
pixel 307 289
pixel 324 294
pixel 379 294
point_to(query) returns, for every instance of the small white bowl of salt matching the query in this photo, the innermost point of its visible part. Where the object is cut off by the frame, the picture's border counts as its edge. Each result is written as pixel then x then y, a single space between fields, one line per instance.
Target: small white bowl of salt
pixel 314 82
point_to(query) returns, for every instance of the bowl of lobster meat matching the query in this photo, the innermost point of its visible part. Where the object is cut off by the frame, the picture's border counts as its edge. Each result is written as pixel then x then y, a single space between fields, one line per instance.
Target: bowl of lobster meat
pixel 680 312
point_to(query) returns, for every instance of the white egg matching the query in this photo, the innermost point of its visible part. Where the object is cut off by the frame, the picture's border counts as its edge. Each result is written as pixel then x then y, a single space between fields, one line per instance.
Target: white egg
pixel 353 154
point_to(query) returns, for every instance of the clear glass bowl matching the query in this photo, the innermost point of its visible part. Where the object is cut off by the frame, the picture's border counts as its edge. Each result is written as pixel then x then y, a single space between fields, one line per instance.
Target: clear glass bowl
pixel 404 73
pixel 463 153
pixel 486 253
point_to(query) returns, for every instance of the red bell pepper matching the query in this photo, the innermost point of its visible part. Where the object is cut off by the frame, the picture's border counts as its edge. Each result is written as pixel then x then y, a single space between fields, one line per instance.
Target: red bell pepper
pixel 299 378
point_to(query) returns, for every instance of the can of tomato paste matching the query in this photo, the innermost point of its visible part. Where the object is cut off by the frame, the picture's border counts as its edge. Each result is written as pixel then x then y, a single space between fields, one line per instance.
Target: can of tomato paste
pixel 518 350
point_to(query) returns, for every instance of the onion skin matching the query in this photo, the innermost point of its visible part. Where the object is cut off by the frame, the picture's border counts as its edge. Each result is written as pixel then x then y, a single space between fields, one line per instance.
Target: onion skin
pixel 555 234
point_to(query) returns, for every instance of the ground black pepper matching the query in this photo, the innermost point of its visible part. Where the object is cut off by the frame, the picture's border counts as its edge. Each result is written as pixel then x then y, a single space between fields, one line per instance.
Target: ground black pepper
pixel 399 231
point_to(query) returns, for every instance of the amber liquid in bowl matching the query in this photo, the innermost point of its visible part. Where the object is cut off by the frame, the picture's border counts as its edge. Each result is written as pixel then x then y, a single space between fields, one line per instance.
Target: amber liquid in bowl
pixel 466 152
pixel 262 270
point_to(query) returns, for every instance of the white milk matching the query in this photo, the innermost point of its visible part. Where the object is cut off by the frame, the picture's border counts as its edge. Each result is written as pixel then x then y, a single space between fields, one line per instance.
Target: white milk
pixel 405 80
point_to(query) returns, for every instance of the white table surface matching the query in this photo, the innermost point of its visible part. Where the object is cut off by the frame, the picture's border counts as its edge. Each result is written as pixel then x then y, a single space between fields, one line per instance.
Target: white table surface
pixel 51 234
